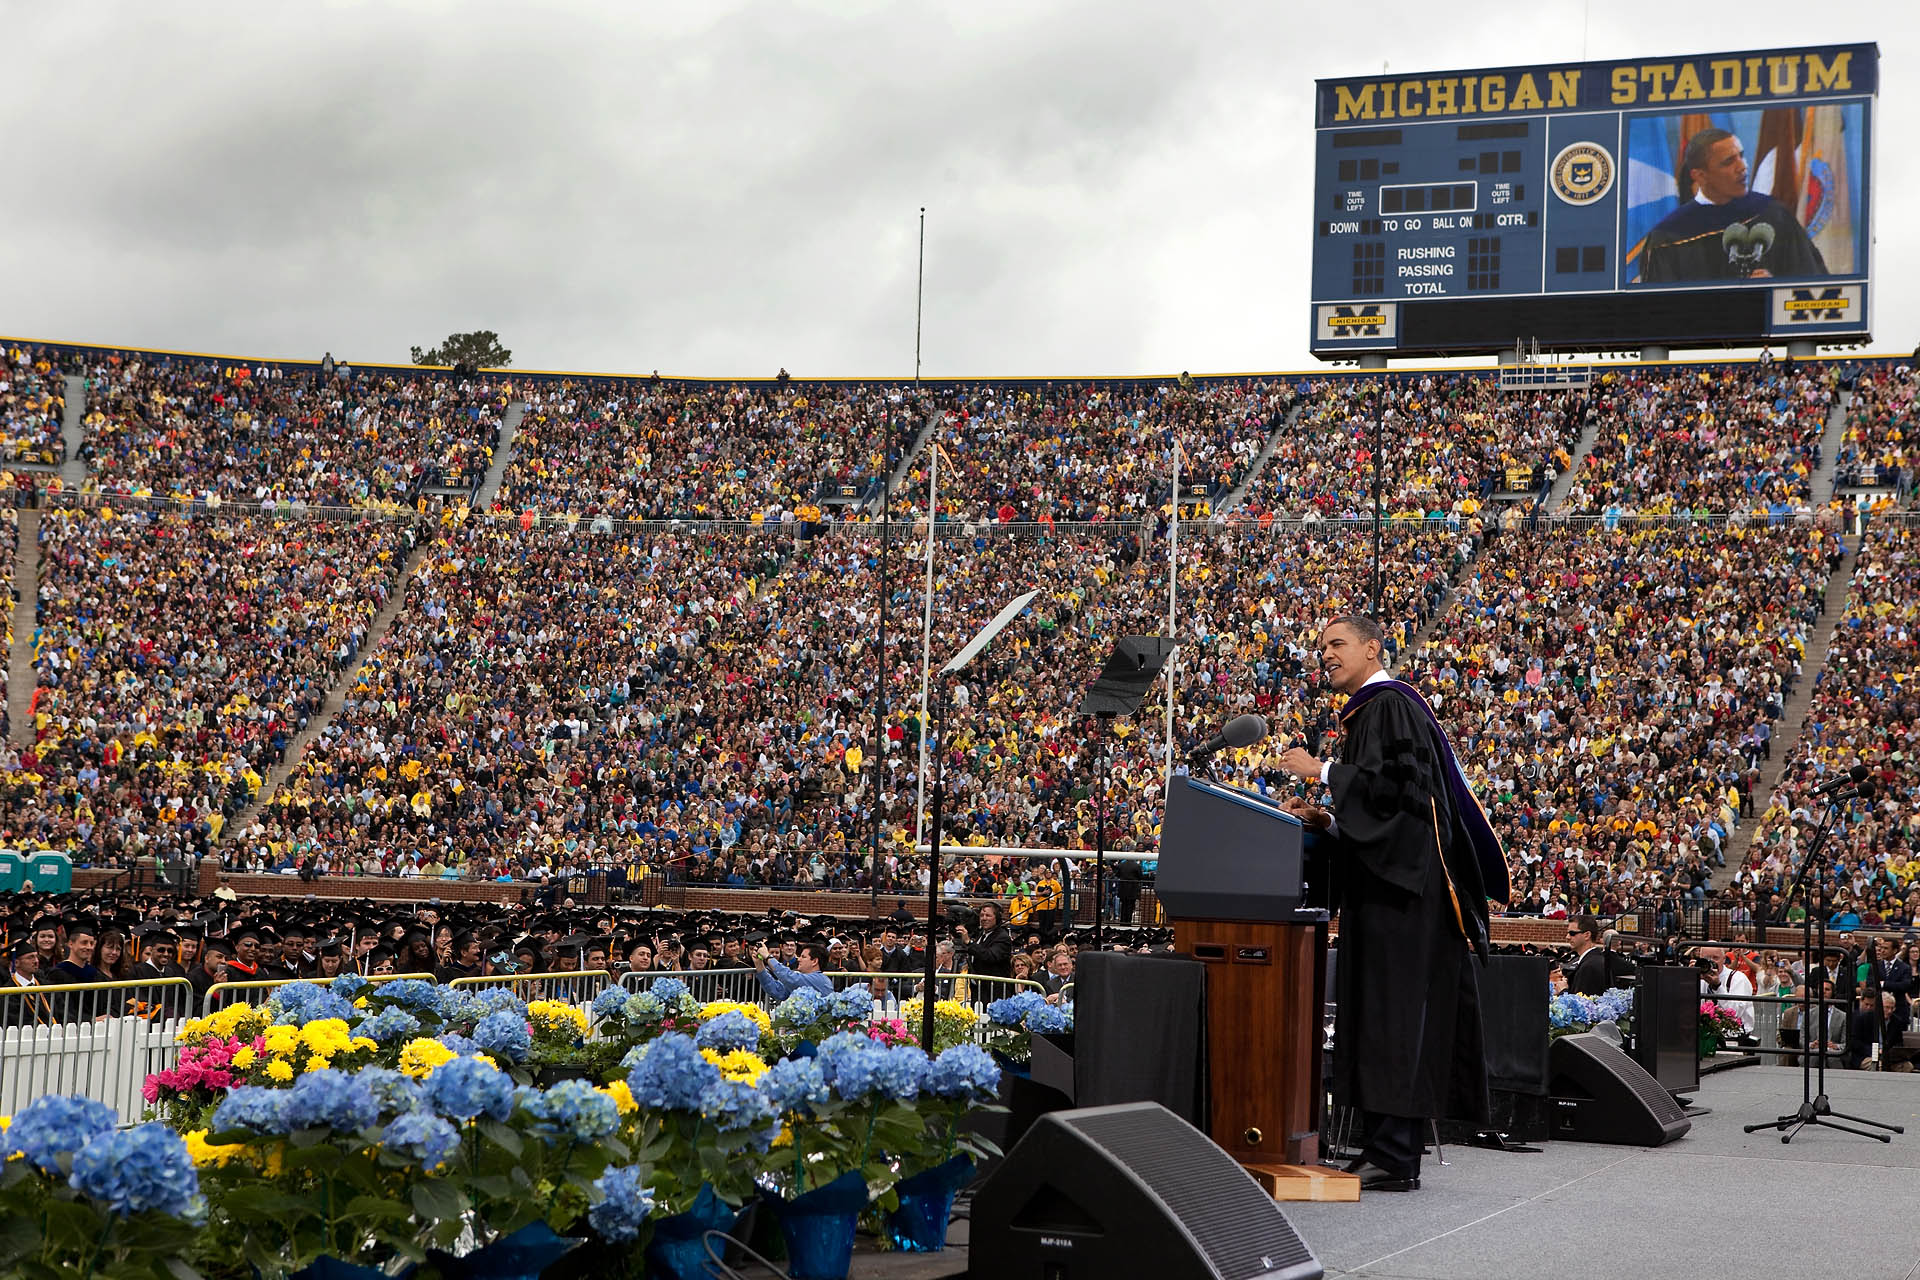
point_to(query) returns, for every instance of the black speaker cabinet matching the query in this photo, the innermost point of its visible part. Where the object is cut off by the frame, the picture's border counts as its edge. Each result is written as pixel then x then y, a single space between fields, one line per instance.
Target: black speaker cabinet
pixel 1599 1094
pixel 1111 1193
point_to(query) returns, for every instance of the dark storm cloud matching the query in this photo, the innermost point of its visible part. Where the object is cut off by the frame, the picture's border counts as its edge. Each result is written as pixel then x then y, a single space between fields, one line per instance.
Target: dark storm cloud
pixel 716 188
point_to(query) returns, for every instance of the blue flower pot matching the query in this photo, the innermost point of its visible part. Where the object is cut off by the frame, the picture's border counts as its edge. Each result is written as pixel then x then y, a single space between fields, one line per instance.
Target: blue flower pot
pixel 819 1225
pixel 919 1225
pixel 678 1249
pixel 520 1256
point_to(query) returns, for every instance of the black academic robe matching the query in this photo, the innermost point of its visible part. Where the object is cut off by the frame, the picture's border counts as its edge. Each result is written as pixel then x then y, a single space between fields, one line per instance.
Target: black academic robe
pixel 1590 976
pixel 1691 243
pixel 1408 1038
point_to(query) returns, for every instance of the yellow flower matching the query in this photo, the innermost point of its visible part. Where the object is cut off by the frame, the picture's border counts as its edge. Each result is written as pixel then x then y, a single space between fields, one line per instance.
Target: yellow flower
pixel 244 1057
pixel 362 1044
pixel 206 1153
pixel 318 1063
pixel 556 1017
pixel 420 1057
pixel 740 1064
pixel 281 1070
pixel 784 1138
pixel 622 1097
pixel 282 1040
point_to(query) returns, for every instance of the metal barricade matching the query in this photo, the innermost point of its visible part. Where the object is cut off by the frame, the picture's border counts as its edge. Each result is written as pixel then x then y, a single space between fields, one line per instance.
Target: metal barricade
pixel 570 986
pixel 99 1040
pixel 220 992
pixel 705 985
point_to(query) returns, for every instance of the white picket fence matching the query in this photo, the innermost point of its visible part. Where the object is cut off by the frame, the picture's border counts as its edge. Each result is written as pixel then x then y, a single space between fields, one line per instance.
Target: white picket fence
pixel 108 1061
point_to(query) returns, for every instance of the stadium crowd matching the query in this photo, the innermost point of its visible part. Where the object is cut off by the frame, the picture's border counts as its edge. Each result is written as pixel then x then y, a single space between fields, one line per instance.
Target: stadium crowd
pixel 33 406
pixel 559 691
pixel 217 432
pixel 1882 442
pixel 177 655
pixel 1865 710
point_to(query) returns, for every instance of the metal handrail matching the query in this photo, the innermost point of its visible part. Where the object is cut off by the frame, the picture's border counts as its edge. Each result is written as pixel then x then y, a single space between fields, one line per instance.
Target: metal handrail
pixel 270 984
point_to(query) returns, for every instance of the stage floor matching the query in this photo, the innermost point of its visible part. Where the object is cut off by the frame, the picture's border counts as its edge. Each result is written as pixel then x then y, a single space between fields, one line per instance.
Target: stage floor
pixel 1717 1202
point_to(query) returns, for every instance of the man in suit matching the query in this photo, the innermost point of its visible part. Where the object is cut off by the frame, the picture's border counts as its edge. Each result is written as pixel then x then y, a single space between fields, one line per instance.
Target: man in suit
pixel 1897 977
pixel 23 971
pixel 1838 968
pixel 1059 971
pixel 1588 975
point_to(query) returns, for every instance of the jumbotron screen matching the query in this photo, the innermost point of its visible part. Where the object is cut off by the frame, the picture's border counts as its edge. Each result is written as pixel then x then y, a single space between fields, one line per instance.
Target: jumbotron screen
pixel 1703 200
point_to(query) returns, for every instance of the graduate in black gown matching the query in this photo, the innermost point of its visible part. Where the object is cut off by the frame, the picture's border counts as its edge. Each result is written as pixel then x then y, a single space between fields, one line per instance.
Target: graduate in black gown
pixel 1413 864
pixel 1723 231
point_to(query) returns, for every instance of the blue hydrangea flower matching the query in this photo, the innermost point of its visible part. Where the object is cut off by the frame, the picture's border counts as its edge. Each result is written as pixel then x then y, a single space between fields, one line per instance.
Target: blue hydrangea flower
pixel 426 1140
pixel 298 1003
pixel 459 1044
pixel 903 1072
pixel 389 1026
pixel 1012 1011
pixel 731 1030
pixel 624 1204
pixel 470 1004
pixel 249 1107
pixel 802 1007
pixel 643 1006
pixel 670 990
pixel 795 1086
pixel 855 1073
pixel 964 1073
pixel 416 995
pixel 573 1110
pixel 1046 1019
pixel 611 1002
pixel 504 1035
pixel 350 986
pixel 55 1125
pixel 331 1099
pixel 466 1088
pixel 394 1092
pixel 670 1075
pixel 733 1105
pixel 853 1003
pixel 145 1169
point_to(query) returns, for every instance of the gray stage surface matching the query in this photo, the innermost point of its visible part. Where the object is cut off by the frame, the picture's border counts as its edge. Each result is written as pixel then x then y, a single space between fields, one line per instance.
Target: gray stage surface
pixel 1718 1202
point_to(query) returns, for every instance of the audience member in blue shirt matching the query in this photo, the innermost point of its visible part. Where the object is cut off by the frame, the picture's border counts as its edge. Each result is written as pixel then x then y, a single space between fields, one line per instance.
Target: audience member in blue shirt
pixel 779 981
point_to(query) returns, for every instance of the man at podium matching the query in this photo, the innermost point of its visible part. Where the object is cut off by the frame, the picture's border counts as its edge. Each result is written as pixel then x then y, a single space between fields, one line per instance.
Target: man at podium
pixel 1413 862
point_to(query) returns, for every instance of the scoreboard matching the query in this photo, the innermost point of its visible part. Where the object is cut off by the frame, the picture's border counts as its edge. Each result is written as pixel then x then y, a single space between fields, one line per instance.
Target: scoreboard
pixel 1679 201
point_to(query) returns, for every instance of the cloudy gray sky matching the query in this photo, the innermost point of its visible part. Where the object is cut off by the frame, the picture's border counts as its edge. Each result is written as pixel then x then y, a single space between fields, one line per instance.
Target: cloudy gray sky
pixel 726 187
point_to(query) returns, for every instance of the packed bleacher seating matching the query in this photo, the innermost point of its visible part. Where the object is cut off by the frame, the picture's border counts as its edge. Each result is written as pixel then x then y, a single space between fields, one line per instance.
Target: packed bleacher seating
pixel 33 405
pixel 1723 438
pixel 1599 685
pixel 708 450
pixel 1450 442
pixel 546 696
pixel 562 689
pixel 1093 451
pixel 1865 710
pixel 177 656
pixel 1882 442
pixel 264 434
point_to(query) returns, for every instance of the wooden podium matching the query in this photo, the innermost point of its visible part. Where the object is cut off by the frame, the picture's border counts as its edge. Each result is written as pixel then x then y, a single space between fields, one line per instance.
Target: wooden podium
pixel 1235 878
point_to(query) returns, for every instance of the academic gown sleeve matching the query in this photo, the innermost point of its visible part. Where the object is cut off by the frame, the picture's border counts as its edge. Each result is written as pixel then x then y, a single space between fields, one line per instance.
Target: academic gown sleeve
pixel 1384 792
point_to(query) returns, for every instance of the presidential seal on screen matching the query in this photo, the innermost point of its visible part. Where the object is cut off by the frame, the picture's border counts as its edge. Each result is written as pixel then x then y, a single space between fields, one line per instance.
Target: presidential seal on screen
pixel 1582 172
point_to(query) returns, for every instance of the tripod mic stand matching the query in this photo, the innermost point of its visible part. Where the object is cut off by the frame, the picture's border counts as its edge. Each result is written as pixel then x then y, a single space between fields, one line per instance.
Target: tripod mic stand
pixel 1814 1108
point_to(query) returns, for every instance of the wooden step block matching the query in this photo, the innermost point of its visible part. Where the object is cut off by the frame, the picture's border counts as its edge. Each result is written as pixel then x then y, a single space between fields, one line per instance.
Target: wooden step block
pixel 1306 1182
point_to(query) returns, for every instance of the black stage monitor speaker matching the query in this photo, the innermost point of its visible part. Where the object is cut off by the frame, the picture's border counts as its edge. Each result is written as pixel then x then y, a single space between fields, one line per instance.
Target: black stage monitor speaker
pixel 1112 1193
pixel 1599 1094
pixel 1666 1026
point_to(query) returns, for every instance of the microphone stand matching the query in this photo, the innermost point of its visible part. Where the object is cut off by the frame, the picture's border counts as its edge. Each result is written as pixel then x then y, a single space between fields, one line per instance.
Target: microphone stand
pixel 1104 728
pixel 1814 1108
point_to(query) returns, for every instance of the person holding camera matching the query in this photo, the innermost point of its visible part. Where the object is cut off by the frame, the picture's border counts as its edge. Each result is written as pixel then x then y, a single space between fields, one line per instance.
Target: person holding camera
pixel 808 971
pixel 1718 978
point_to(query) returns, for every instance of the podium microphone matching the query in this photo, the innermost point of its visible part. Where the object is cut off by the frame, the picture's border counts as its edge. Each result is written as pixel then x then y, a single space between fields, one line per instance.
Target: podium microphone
pixel 1241 731
pixel 1851 778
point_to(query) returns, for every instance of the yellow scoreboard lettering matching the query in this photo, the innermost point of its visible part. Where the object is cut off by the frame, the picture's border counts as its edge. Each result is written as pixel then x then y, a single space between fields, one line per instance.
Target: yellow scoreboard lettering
pixel 1823 76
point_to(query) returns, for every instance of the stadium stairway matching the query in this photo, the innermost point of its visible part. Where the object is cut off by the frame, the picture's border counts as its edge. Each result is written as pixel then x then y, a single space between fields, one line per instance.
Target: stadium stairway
pixel 1830 441
pixel 1241 490
pixel 26 593
pixel 1792 724
pixel 336 697
pixel 1589 433
pixel 73 433
pixel 907 459
pixel 502 455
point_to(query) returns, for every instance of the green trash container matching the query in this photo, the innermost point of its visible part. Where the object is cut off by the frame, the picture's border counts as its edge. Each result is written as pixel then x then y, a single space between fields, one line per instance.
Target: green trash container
pixel 13 869
pixel 50 872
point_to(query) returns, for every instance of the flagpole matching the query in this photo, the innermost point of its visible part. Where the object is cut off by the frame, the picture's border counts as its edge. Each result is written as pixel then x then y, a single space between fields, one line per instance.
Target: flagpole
pixel 926 640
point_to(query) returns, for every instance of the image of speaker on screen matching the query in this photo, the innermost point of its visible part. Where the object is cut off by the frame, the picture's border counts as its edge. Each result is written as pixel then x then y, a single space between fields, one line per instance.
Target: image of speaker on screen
pixel 1764 194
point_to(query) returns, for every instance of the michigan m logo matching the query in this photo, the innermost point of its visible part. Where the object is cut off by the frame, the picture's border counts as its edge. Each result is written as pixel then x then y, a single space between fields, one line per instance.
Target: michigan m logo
pixel 1347 322
pixel 1830 304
